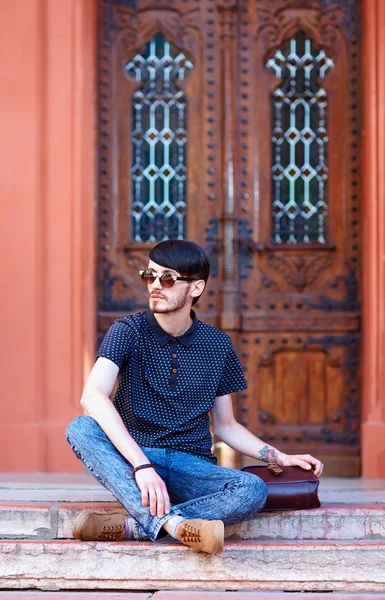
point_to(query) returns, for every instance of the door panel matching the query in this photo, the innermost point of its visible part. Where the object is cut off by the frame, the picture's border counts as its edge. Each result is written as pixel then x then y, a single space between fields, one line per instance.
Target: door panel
pixel 155 134
pixel 300 301
pixel 254 131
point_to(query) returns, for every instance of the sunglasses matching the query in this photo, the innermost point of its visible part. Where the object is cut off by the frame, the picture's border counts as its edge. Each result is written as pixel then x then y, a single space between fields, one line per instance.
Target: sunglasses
pixel 166 279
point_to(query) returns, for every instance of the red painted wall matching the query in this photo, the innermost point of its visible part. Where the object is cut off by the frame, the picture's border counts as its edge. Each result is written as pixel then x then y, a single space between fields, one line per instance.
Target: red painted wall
pixel 47 305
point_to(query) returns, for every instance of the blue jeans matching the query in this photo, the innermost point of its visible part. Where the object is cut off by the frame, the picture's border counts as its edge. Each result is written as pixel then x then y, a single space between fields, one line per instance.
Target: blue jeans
pixel 197 487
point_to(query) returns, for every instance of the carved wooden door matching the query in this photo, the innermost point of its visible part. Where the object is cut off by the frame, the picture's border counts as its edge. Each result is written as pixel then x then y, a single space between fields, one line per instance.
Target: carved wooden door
pixel 236 124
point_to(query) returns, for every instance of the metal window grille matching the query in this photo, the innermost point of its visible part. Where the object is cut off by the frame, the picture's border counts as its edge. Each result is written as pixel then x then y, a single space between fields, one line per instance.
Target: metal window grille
pixel 299 143
pixel 159 139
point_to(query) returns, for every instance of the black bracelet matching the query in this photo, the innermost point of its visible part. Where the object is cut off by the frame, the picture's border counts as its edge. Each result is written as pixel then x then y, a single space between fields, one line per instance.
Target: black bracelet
pixel 146 466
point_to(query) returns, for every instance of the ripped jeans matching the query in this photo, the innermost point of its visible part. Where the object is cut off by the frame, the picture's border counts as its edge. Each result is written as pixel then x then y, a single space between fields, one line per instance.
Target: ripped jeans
pixel 197 488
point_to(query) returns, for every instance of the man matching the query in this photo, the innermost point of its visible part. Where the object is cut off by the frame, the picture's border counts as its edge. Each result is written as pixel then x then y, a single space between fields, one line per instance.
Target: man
pixel 151 446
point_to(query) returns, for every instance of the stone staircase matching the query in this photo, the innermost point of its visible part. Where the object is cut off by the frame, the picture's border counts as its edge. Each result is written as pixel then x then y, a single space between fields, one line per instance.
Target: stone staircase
pixel 338 547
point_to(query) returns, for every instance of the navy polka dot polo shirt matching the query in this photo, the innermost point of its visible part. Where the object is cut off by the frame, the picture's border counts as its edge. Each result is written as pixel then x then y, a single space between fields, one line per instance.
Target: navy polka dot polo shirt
pixel 168 385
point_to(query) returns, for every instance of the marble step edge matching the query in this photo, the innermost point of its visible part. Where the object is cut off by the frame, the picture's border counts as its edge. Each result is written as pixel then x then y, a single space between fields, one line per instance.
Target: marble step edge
pixel 50 521
pixel 316 566
pixel 186 595
pixel 101 595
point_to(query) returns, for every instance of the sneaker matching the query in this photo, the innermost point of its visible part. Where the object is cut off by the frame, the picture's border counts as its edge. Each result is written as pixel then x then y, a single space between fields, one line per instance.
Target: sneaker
pixel 108 527
pixel 206 536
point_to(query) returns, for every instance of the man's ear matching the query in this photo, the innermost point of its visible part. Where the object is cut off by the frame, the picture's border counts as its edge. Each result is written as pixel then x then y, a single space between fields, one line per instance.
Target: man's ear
pixel 197 288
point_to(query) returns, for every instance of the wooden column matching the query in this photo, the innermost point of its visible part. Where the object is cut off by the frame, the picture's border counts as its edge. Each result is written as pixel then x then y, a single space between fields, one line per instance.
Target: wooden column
pixel 373 168
pixel 230 317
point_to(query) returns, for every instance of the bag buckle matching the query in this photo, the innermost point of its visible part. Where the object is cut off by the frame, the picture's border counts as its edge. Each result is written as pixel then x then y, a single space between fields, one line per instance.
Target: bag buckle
pixel 274 468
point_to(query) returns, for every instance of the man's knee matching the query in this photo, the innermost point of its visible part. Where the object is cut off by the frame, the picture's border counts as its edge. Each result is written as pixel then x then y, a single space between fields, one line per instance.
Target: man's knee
pixel 79 429
pixel 255 494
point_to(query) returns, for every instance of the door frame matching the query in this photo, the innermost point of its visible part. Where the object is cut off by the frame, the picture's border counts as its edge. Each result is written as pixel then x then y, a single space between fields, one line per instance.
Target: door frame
pixel 373 161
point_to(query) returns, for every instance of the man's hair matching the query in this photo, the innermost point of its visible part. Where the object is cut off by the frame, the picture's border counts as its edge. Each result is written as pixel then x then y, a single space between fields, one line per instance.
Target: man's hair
pixel 183 256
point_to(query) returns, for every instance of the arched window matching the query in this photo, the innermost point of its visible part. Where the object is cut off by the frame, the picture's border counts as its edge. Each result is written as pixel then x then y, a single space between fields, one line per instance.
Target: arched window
pixel 299 143
pixel 159 139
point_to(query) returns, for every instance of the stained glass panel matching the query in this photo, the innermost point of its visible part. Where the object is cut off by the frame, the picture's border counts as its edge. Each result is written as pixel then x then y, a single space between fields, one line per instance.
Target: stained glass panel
pixel 299 143
pixel 159 139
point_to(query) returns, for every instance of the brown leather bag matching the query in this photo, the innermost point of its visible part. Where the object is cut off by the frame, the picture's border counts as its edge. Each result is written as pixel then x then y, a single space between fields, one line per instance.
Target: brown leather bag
pixel 289 488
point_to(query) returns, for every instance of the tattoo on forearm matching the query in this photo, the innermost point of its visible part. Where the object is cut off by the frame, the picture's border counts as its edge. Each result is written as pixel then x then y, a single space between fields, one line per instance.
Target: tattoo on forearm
pixel 268 454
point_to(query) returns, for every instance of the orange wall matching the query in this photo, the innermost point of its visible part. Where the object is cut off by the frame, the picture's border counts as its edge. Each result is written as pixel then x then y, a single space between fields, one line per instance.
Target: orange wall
pixel 47 304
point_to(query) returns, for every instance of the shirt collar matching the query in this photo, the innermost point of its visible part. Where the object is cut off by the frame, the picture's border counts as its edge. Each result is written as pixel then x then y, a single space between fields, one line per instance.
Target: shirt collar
pixel 163 337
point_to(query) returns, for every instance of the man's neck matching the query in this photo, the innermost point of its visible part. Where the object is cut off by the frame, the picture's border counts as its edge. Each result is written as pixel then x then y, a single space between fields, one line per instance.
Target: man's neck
pixel 177 322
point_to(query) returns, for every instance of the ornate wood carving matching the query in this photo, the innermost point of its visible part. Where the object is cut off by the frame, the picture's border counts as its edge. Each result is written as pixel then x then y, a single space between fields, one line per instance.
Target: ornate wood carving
pixel 180 27
pixel 350 300
pixel 299 271
pixel 281 21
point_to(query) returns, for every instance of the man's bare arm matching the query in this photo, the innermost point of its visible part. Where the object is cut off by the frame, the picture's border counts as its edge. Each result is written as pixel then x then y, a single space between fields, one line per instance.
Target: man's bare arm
pixel 97 404
pixel 239 438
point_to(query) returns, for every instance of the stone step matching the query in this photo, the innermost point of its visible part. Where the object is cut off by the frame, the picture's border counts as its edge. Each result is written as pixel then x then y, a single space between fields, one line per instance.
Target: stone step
pixel 50 521
pixel 185 595
pixel 244 565
pixel 247 595
pixel 37 595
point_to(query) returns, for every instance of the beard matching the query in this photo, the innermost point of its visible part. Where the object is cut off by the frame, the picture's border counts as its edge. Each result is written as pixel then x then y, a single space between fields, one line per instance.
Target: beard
pixel 168 305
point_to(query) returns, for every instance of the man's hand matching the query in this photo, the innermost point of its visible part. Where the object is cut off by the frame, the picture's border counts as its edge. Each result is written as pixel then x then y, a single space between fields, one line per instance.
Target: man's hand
pixel 305 461
pixel 153 490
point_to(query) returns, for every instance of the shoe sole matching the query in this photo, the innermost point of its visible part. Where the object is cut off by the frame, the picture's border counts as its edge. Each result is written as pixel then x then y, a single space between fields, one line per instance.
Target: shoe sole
pixel 219 535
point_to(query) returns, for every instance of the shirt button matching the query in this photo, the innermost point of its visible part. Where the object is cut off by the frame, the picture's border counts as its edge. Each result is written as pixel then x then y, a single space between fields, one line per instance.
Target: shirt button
pixel 174 370
pixel 173 339
pixel 174 355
